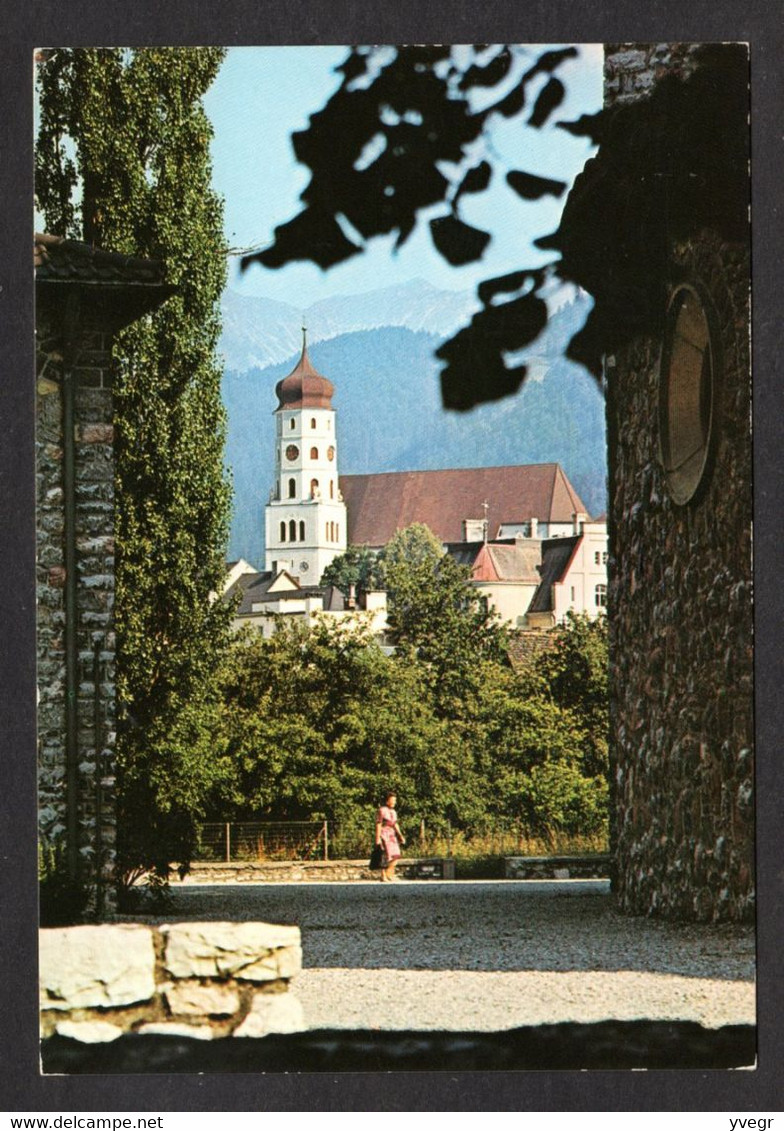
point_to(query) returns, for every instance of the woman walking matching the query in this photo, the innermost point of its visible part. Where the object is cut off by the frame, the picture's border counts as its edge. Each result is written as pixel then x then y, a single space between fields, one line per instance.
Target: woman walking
pixel 389 837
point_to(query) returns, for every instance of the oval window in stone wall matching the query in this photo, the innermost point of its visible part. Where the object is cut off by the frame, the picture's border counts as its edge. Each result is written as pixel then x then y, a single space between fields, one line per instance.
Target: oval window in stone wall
pixel 688 393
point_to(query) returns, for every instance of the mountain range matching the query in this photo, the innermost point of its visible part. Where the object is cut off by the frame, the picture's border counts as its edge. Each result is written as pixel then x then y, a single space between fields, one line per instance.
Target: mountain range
pixel 387 398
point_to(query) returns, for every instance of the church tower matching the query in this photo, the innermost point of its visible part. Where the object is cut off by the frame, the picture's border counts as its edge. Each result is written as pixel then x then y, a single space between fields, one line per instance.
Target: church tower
pixel 306 515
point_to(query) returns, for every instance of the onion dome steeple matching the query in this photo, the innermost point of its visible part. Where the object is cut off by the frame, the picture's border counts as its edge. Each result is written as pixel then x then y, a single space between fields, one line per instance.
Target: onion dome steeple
pixel 304 387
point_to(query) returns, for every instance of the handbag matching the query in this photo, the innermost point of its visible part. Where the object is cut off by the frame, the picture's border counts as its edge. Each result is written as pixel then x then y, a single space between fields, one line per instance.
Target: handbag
pixel 376 858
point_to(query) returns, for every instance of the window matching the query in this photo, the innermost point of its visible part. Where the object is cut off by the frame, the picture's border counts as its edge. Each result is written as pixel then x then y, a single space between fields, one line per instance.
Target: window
pixel 312 422
pixel 314 453
pixel 572 595
pixel 302 531
pixel 283 532
pixel 332 489
pixel 687 393
pixel 292 422
pixel 604 557
pixel 292 488
pixel 600 596
pixel 314 488
pixel 597 558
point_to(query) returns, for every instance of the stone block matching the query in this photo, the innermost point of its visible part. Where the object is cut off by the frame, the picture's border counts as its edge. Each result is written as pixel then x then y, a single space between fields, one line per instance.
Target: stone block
pixel 91 1032
pixel 272 1013
pixel 95 433
pixel 174 1029
pixel 209 1001
pixel 248 951
pixel 95 966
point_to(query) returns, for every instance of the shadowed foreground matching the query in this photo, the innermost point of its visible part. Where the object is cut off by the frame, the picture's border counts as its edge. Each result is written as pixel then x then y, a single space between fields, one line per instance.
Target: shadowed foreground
pixel 605 1045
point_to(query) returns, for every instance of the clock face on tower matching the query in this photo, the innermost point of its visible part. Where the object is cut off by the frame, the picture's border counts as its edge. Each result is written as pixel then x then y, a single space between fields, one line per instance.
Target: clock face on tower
pixel 292 451
pixel 303 566
pixel 330 452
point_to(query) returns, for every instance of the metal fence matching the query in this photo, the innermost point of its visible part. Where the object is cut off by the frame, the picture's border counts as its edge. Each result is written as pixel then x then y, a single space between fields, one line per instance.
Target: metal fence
pixel 263 840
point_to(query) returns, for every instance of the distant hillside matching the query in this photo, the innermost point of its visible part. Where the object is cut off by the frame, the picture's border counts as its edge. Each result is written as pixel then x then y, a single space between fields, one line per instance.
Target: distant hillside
pixel 390 418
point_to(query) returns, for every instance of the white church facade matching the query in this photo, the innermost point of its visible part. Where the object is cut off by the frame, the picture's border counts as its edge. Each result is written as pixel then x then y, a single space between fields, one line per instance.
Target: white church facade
pixel 533 556
pixel 305 518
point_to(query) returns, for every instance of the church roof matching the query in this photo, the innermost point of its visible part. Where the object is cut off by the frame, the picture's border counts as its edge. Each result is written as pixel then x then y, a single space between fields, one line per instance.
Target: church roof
pixel 304 387
pixel 378 505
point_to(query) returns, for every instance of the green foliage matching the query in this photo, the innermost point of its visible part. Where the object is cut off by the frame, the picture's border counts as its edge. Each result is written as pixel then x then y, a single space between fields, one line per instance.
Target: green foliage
pixel 436 615
pixel 123 161
pixel 61 900
pixel 317 724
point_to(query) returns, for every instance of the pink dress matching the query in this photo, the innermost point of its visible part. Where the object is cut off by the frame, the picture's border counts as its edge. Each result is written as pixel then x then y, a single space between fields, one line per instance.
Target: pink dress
pixel 387 818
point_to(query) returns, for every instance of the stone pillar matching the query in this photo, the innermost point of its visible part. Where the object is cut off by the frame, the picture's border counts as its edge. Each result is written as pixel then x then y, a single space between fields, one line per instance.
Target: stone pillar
pixel 94 532
pixel 681 693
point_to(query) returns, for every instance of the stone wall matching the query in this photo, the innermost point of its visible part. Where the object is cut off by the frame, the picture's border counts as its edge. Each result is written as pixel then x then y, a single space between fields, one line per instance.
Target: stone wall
pixel 201 980
pixel 631 70
pixel 94 471
pixel 681 607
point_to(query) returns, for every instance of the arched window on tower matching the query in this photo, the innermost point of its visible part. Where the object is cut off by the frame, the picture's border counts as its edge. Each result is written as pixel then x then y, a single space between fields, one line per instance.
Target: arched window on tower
pixel 292 488
pixel 283 532
pixel 292 423
pixel 332 489
pixel 301 531
pixel 312 422
pixel 292 531
pixel 314 453
pixel 337 531
pixel 314 489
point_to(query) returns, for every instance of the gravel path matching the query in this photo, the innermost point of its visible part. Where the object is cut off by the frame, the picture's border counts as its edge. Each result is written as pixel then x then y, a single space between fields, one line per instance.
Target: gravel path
pixel 489 956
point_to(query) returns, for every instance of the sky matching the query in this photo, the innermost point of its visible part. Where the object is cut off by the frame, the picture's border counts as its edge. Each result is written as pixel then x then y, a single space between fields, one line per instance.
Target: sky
pixel 262 94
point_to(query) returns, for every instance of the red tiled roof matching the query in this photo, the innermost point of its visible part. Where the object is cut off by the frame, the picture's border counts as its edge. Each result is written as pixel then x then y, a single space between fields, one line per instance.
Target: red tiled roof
pixel 378 505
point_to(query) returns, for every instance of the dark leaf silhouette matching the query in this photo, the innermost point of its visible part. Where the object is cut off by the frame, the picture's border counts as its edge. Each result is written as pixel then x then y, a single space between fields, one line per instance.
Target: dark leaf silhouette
pixel 531 187
pixel 354 66
pixel 459 243
pixel 551 97
pixel 587 125
pixel 475 371
pixel 314 234
pixel 507 284
pixel 549 60
pixel 513 102
pixel 488 74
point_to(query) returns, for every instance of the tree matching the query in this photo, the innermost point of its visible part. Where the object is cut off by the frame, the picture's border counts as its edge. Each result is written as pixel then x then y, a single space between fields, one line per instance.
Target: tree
pixel 358 566
pixel 436 615
pixel 318 722
pixel 122 160
pixel 576 671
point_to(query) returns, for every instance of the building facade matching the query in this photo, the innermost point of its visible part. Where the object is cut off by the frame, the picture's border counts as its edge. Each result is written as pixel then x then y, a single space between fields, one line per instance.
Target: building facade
pixel 305 519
